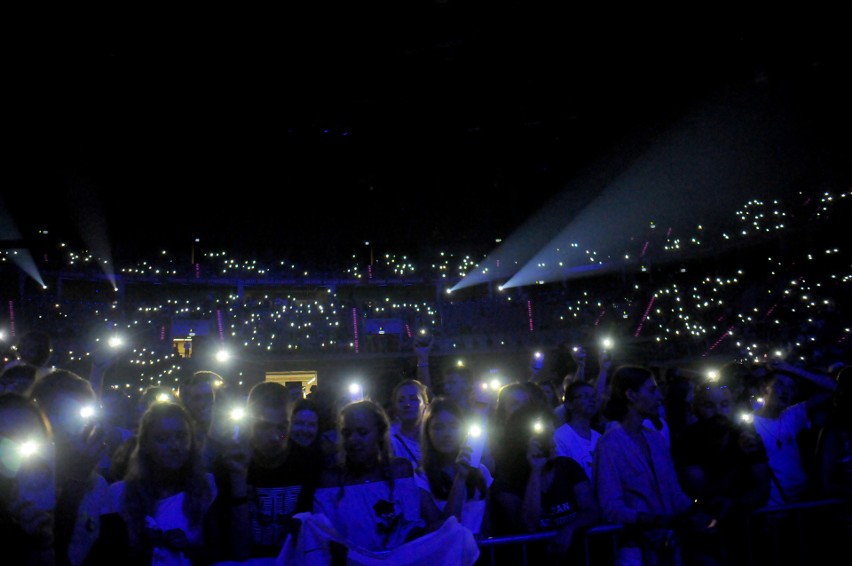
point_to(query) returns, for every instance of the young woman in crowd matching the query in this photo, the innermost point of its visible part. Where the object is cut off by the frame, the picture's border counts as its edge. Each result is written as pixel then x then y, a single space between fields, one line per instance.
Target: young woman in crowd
pixel 164 498
pixel 510 397
pixel 305 424
pixel 409 399
pixel 369 504
pixel 458 486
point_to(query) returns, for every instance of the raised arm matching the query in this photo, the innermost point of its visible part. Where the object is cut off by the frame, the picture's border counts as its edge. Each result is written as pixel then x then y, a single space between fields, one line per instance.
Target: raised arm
pixel 422 350
pixel 825 383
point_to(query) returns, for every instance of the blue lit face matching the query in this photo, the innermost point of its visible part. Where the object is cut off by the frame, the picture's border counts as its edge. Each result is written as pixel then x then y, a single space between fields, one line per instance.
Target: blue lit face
pixel 168 443
pixel 360 436
pixel 408 404
pixel 781 391
pixel 648 399
pixel 713 400
pixel 304 427
pixel 270 426
pixel 456 387
pixel 445 433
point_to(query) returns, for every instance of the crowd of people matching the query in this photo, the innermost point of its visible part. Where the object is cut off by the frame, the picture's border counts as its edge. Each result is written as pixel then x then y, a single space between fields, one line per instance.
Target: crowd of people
pixel 423 465
pixel 686 465
pixel 737 293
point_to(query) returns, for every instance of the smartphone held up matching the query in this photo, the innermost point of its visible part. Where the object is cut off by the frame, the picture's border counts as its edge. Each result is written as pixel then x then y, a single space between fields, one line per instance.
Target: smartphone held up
pixel 476 437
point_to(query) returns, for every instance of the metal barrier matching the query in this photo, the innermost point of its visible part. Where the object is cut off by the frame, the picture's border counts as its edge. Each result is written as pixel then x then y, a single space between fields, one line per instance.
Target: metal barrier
pixel 489 545
pixel 799 533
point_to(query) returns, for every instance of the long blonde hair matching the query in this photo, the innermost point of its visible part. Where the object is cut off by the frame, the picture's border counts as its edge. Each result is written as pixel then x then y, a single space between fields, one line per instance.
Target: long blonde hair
pixel 383 427
pixel 141 480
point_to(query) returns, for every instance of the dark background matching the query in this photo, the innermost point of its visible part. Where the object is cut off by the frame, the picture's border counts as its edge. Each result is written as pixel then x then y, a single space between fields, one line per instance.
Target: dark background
pixel 305 132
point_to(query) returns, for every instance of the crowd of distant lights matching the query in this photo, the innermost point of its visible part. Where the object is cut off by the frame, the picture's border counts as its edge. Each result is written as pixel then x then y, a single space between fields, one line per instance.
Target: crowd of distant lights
pixel 667 312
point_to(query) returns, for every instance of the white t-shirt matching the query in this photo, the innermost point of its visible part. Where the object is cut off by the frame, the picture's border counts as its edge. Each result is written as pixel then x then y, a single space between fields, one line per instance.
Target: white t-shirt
pixel 569 443
pixel 372 515
pixel 403 446
pixel 782 449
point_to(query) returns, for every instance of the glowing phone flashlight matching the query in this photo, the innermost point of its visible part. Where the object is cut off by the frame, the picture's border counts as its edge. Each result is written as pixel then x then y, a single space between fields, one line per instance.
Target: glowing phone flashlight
pixel 538 360
pixel 476 440
pixel 237 415
pixel 356 392
pixel 31 463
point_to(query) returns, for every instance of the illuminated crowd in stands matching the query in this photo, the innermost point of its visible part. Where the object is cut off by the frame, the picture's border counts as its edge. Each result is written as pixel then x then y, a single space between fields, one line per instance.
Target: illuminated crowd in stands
pixel 682 462
pixel 746 302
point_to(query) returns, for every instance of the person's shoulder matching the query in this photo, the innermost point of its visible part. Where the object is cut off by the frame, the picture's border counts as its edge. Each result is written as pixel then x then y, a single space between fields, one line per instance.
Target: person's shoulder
pixel 795 409
pixel 399 467
pixel 562 430
pixel 117 486
pixel 612 433
pixel 98 485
